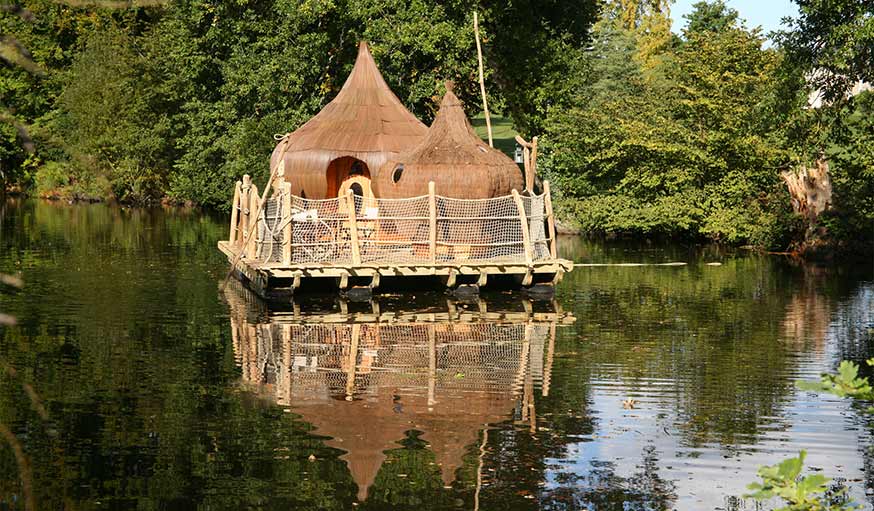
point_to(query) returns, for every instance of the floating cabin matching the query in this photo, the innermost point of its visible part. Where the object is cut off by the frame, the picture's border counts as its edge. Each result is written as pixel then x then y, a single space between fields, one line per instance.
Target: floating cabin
pixel 364 193
pixel 447 372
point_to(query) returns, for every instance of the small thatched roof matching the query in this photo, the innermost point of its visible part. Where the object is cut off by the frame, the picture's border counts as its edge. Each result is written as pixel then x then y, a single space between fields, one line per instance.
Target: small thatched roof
pixel 454 157
pixel 365 121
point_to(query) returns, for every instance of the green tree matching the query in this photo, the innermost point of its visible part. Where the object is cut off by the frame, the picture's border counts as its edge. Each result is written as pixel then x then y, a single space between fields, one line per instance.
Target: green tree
pixel 112 129
pixel 692 147
pixel 711 17
pixel 834 41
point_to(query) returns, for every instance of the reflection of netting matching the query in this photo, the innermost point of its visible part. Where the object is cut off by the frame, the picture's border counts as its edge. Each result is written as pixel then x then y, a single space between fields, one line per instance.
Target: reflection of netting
pixel 399 231
pixel 315 361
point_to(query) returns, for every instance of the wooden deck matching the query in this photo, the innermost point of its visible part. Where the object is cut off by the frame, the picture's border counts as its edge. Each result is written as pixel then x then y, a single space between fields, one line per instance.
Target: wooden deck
pixel 361 244
pixel 276 280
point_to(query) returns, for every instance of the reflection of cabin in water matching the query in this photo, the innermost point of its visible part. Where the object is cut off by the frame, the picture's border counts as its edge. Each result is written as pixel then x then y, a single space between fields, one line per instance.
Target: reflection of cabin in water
pixel 366 379
pixel 364 192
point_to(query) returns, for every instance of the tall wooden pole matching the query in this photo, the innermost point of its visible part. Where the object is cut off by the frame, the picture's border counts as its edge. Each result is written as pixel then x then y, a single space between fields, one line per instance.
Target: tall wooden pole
pixel 278 171
pixel 482 82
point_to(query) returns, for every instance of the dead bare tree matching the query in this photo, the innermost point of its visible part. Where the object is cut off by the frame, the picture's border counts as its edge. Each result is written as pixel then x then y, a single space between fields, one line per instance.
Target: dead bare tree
pixel 810 188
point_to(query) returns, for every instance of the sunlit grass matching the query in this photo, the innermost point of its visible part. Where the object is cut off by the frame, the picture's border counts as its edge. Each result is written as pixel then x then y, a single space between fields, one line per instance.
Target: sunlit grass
pixel 503 133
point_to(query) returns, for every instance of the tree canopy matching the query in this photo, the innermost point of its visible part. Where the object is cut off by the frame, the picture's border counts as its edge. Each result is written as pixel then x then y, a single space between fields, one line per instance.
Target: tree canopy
pixel 643 131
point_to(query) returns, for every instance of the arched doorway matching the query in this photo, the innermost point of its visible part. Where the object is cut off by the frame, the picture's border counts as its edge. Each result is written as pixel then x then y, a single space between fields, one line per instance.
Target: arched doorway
pixel 345 172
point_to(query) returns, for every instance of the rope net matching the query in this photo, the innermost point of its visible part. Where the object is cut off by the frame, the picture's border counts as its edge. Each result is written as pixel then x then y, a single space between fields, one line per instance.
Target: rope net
pixel 399 231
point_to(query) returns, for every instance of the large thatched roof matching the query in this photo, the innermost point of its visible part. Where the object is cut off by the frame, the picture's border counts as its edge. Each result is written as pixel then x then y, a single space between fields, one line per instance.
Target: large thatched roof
pixel 454 157
pixel 365 121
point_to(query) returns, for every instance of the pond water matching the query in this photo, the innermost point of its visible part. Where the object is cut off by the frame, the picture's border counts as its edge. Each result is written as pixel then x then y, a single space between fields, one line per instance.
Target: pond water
pixel 132 381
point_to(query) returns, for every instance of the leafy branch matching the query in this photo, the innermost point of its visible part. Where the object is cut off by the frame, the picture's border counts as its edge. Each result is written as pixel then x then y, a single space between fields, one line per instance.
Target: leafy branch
pixel 784 479
pixel 846 383
pixel 808 493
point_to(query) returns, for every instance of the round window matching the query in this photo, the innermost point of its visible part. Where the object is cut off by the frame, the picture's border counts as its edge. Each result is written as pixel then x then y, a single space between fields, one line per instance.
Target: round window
pixel 398 172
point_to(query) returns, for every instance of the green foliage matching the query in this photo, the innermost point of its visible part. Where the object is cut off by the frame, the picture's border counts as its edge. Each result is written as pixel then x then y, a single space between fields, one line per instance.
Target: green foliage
pixel 642 132
pixel 687 148
pixel 50 178
pixel 806 493
pixel 782 480
pixel 834 41
pixel 183 99
pixel 845 383
pixel 850 152
pixel 710 17
pixel 112 130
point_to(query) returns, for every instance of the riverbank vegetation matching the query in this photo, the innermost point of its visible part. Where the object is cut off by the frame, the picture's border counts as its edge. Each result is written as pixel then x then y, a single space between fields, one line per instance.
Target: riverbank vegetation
pixel 643 132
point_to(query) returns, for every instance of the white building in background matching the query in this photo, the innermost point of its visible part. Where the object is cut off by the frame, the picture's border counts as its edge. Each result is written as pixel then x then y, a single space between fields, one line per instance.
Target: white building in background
pixel 815 98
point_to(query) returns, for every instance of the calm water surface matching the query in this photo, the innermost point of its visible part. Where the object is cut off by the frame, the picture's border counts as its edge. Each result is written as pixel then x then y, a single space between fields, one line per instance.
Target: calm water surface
pixel 131 381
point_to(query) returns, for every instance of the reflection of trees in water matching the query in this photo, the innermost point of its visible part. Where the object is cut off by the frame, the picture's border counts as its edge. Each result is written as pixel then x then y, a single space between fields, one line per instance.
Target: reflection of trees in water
pixel 711 332
pixel 127 348
pixel 138 376
pixel 409 478
pixel 600 488
pixel 729 338
pixel 852 329
pixel 808 312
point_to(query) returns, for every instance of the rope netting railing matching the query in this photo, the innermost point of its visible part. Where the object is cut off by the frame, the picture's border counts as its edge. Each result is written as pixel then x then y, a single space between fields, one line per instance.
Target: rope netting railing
pixel 430 229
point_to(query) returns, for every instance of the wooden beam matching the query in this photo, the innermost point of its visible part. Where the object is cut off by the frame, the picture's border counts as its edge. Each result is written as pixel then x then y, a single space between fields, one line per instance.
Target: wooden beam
pixel 528 279
pixel 483 278
pixel 550 220
pixel 521 141
pixel 526 164
pixel 450 280
pixel 252 228
pixel 526 235
pixel 482 83
pixel 245 211
pixel 432 222
pixel 353 228
pixel 235 214
pixel 288 225
pixel 532 164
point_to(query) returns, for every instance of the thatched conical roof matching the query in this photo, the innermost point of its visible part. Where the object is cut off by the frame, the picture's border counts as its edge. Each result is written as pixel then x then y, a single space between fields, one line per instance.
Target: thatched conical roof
pixel 454 157
pixel 365 121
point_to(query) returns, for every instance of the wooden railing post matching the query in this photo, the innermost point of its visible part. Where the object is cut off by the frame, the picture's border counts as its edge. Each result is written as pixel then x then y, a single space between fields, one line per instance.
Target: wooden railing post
pixel 529 161
pixel 547 371
pixel 550 220
pixel 288 225
pixel 235 214
pixel 526 234
pixel 526 163
pixel 532 164
pixel 432 222
pixel 252 246
pixel 245 209
pixel 353 227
